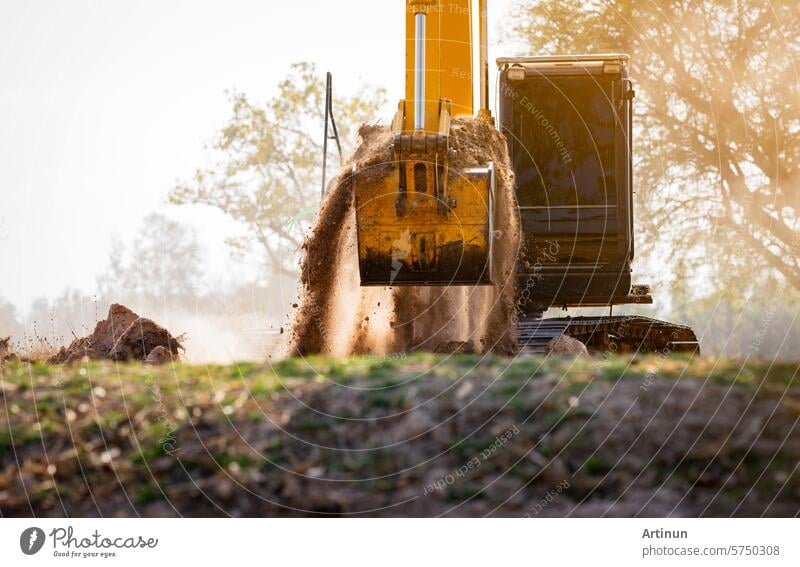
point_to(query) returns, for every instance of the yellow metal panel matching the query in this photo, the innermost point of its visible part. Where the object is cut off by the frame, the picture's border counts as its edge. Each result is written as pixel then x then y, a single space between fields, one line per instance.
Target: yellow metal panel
pixel 448 73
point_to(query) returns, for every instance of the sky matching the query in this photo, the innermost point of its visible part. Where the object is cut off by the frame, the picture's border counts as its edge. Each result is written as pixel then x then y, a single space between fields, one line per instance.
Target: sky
pixel 105 104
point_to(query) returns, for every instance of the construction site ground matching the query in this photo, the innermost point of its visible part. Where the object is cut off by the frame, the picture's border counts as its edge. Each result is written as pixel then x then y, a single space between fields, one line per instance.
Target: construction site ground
pixel 403 435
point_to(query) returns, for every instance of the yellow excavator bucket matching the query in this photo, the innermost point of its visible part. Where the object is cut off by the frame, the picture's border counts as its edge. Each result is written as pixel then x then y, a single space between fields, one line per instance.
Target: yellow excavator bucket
pixel 428 222
pixel 419 237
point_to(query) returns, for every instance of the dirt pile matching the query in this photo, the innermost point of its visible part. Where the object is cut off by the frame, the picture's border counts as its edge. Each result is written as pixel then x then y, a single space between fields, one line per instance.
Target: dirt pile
pixel 337 316
pixel 123 335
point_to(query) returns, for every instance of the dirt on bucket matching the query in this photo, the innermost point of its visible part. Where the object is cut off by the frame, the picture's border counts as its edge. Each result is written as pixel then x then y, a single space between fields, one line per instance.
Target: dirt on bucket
pixel 123 335
pixel 337 316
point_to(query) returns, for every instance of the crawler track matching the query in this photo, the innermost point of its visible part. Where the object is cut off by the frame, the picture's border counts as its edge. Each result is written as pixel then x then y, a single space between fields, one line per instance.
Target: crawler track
pixel 624 334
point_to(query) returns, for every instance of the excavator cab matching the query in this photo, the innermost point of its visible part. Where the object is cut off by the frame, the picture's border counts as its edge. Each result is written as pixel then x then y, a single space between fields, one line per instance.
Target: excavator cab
pixel 428 222
pixel 567 120
pixel 568 125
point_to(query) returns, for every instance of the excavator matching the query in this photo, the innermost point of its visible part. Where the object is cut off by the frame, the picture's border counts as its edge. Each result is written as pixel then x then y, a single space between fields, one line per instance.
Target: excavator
pixel 567 120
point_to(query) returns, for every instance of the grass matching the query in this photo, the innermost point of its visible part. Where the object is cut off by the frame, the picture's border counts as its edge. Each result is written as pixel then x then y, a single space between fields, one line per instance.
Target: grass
pixel 148 426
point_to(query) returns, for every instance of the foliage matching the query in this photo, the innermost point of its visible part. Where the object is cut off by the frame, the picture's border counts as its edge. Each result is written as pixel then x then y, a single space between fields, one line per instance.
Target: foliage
pixel 268 162
pixel 750 326
pixel 718 115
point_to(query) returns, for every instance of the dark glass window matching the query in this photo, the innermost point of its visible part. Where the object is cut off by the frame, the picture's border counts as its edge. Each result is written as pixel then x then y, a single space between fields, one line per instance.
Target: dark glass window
pixel 563 148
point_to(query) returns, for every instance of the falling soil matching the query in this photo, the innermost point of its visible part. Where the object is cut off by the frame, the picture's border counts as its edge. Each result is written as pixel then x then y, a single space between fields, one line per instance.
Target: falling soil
pixel 123 335
pixel 337 316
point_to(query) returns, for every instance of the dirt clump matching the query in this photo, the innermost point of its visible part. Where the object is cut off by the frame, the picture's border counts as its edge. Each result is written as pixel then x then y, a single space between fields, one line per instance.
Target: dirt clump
pixel 122 335
pixel 338 316
pixel 6 353
pixel 563 345
pixel 159 355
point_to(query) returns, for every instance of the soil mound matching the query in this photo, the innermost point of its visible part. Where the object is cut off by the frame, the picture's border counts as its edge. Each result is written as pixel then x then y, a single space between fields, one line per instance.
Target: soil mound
pixel 337 316
pixel 123 335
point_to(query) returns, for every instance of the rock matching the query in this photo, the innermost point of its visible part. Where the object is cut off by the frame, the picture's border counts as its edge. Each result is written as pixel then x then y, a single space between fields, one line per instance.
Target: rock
pixel 566 346
pixel 158 355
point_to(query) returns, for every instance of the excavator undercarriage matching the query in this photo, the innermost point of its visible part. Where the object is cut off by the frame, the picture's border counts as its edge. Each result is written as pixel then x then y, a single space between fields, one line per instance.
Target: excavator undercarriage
pixel 621 334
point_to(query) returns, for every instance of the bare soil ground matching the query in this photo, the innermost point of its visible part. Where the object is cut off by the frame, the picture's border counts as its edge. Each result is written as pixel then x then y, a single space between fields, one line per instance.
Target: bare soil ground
pixel 419 435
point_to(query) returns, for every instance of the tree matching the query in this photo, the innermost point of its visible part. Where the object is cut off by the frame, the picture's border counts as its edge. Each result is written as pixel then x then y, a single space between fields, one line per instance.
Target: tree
pixel 162 266
pixel 718 114
pixel 268 167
